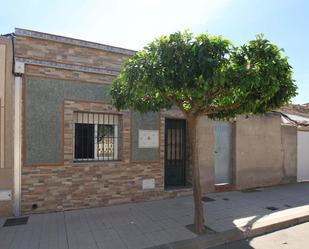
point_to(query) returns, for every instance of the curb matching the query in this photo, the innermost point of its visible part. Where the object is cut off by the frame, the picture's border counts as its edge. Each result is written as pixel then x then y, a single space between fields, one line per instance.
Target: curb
pixel 211 240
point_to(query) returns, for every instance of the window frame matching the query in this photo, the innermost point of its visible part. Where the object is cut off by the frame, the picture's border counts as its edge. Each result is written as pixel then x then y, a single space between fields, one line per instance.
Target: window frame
pixel 116 137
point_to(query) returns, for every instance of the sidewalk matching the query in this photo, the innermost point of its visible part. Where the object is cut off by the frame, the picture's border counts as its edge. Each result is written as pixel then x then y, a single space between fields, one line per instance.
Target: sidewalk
pixel 230 215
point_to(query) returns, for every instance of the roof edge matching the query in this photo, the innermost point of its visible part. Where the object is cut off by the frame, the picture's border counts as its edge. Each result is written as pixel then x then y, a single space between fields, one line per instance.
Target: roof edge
pixel 72 41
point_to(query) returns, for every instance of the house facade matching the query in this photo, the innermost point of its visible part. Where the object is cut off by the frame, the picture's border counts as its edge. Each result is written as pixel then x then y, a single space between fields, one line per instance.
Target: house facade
pixel 72 149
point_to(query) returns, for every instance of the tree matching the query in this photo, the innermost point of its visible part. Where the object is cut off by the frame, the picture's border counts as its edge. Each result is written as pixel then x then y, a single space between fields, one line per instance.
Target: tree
pixel 204 75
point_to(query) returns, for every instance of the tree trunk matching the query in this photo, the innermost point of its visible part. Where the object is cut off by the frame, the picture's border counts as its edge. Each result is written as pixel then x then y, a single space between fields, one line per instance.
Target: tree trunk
pixel 197 193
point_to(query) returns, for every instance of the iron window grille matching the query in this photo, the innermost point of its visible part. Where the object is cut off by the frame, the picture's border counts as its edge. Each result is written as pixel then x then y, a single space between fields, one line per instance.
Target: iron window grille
pixel 97 136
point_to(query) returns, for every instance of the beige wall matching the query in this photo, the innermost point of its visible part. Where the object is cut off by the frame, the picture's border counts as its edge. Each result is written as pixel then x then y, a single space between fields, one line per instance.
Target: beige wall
pixel 265 152
pixel 289 143
pixel 6 121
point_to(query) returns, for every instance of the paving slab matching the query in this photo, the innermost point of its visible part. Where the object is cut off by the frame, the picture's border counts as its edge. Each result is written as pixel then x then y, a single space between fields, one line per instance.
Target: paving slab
pixel 163 224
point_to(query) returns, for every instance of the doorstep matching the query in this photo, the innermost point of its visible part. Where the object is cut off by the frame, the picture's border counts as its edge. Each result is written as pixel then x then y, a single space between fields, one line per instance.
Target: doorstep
pixel 224 187
pixel 178 191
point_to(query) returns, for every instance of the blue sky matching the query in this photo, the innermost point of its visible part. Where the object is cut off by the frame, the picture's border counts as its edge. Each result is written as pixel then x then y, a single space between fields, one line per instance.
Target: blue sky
pixel 134 23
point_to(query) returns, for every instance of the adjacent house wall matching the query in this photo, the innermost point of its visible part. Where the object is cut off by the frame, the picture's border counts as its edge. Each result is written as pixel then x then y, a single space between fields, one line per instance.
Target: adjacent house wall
pixel 263 152
pixel 6 126
pixel 289 146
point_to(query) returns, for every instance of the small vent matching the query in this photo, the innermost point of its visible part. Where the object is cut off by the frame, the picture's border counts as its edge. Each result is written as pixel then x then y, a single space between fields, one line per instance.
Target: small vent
pixel 207 199
pixel 225 199
pixel 272 208
pixel 15 221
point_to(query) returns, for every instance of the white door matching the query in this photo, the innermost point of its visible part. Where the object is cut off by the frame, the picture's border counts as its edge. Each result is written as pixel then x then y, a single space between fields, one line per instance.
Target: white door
pixel 223 136
pixel 302 156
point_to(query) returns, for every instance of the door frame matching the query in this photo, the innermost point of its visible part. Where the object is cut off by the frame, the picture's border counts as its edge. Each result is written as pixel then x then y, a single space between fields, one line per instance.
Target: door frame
pixel 184 151
pixel 230 143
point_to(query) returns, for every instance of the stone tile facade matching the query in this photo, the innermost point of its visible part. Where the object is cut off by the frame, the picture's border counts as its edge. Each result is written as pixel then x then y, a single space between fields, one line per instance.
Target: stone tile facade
pixel 89 184
pixel 73 185
pixel 56 73
pixel 58 52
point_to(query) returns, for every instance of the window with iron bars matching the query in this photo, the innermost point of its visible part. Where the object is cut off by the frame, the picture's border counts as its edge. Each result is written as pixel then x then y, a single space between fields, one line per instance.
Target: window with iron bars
pixel 97 136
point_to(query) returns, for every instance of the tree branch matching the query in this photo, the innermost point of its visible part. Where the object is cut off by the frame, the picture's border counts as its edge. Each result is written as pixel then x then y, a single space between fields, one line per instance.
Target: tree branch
pixel 217 109
pixel 176 101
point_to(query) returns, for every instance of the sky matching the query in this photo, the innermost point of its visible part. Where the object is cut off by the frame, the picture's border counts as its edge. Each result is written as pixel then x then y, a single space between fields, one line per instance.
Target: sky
pixel 134 23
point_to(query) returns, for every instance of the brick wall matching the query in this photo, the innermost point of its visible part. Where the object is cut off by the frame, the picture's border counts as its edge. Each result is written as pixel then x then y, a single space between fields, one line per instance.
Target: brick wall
pixel 39 49
pixel 78 185
pixel 57 63
pixel 57 73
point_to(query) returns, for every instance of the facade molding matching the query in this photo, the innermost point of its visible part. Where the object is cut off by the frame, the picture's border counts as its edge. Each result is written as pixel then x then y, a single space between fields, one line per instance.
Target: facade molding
pixel 72 41
pixel 66 66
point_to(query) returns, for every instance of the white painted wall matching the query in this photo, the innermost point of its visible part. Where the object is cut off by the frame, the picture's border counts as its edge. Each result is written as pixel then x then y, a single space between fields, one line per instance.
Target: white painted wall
pixel 302 156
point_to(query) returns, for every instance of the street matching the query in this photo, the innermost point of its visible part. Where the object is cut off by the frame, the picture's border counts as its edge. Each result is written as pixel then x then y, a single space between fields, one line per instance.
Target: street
pixel 296 237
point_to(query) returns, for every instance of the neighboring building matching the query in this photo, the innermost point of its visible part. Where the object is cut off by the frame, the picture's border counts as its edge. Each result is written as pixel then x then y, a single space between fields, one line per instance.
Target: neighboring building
pixel 6 128
pixel 298 115
pixel 78 151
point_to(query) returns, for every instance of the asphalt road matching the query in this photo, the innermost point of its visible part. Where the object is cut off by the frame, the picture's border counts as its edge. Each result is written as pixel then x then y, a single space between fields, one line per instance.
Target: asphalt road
pixel 296 237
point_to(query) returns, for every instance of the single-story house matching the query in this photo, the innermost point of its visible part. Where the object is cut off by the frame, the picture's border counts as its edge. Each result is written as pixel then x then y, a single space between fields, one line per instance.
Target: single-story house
pixel 298 115
pixel 64 146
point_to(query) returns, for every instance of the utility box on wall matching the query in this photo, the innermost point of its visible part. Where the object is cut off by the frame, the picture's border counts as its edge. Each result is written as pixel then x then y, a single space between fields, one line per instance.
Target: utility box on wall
pixel 148 138
pixel 5 195
pixel 149 183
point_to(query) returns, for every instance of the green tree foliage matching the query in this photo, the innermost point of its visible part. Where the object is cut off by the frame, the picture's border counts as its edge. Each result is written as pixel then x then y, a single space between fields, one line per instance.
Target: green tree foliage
pixel 205 75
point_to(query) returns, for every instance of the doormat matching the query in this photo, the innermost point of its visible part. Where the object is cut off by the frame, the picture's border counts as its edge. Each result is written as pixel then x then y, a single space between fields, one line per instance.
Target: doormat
pixel 207 199
pixel 15 221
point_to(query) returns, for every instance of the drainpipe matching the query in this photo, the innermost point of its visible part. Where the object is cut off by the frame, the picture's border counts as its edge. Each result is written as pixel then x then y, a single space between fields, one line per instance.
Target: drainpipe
pixel 18 71
pixel 17 145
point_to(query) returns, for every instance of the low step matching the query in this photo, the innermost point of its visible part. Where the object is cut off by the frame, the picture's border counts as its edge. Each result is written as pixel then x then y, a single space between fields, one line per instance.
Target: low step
pixel 224 187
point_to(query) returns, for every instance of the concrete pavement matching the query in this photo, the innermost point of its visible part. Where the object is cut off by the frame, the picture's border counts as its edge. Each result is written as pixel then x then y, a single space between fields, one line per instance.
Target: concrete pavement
pixel 162 224
pixel 296 237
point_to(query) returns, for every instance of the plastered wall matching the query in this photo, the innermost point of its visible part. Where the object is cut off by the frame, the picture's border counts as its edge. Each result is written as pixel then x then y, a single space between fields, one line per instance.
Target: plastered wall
pixel 265 152
pixel 6 125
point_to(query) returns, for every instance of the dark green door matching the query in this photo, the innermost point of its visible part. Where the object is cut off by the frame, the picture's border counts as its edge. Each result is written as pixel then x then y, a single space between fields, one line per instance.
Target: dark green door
pixel 175 152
